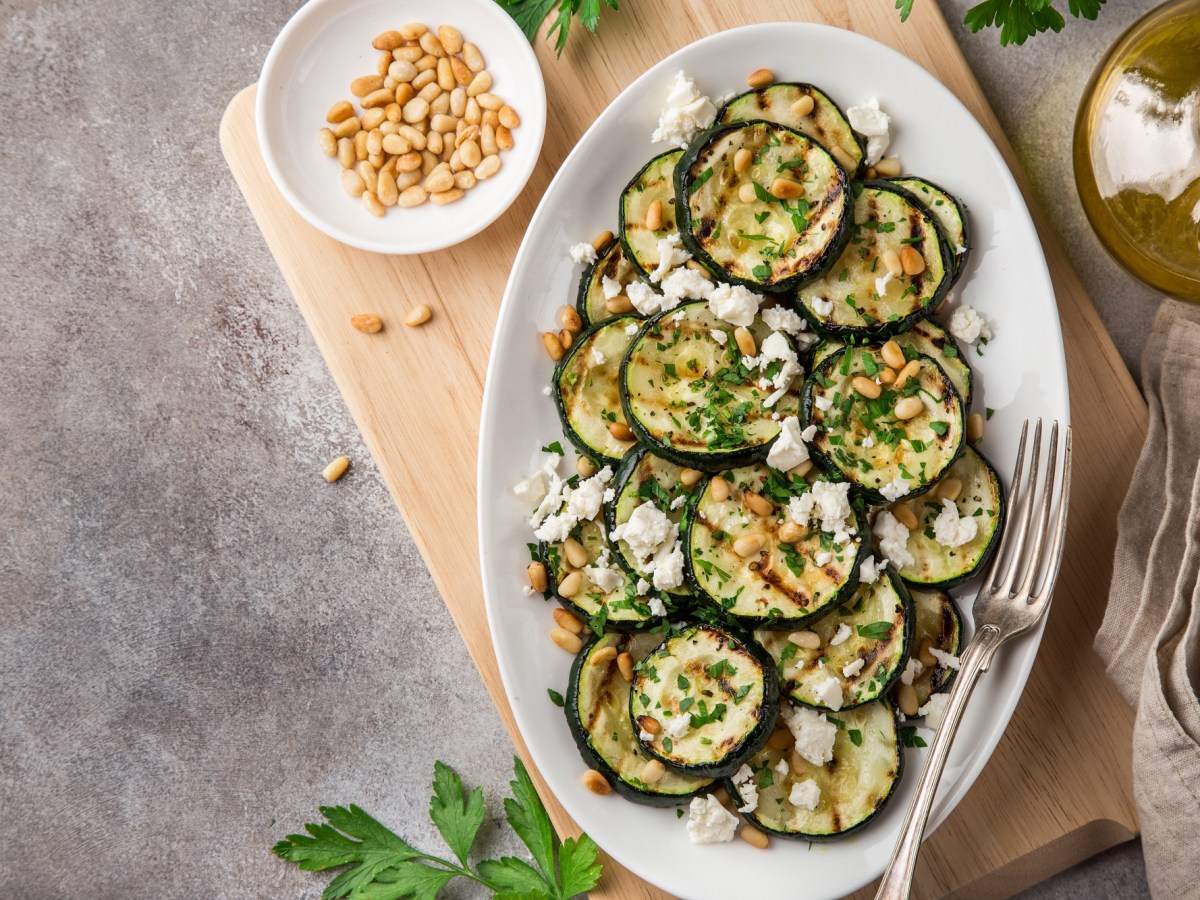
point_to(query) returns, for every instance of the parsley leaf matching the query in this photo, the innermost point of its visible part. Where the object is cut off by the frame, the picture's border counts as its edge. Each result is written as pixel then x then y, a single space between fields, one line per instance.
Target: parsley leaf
pixel 529 15
pixel 555 697
pixel 456 815
pixel 1018 20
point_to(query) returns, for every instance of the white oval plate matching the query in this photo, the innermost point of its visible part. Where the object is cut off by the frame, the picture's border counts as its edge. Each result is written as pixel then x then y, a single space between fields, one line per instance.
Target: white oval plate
pixel 1021 375
pixel 325 46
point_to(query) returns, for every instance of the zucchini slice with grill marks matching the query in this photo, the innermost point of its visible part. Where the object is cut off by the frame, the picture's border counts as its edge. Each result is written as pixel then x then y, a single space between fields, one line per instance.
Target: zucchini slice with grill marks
pixel 690 398
pixel 767 243
pixel 646 478
pixel 826 124
pixel 939 625
pixel 705 701
pixel 654 182
pixel 856 297
pixel 866 441
pixel 979 498
pixel 598 715
pixel 781 585
pixel 851 789
pixel 950 214
pixel 868 636
pixel 586 392
pixel 610 263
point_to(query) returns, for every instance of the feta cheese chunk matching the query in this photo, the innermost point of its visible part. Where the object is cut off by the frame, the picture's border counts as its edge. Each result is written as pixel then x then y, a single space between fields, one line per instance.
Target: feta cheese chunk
pixel 805 794
pixel 952 530
pixel 747 788
pixel 709 822
pixel 645 299
pixel 677 726
pixel 911 671
pixel 583 252
pixel 686 112
pixel 893 539
pixel 874 124
pixel 896 489
pixel 869 570
pixel 719 336
pixel 657 607
pixel 839 637
pixel 789 449
pixel 646 530
pixel 668 567
pixel 849 671
pixel 780 318
pixel 935 710
pixel 814 734
pixel 686 284
pixel 828 693
pixel 821 306
pixel 949 660
pixel 734 304
pixel 968 325
pixel 827 503
pixel 605 578
pixel 782 768
pixel 670 255
pixel 611 287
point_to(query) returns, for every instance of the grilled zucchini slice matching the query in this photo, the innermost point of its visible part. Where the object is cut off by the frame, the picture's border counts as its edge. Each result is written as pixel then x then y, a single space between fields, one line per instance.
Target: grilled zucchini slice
pixel 874 632
pixel 585 389
pixel 866 441
pixel 766 244
pixel 610 263
pixel 781 586
pixel 689 397
pixel 654 182
pixel 855 298
pixel 854 786
pixel 981 499
pixel 705 701
pixel 939 625
pixel 598 715
pixel 950 214
pixel 826 124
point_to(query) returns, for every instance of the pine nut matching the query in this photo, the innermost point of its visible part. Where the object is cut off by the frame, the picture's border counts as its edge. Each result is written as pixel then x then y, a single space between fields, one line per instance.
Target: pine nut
pixel 418 315
pixel 746 193
pixel 462 75
pixel 374 207
pixel 786 189
pixel 649 724
pixel 427 78
pixel 472 57
pixel 748 545
pixel 602 240
pixel 796 762
pixel 566 338
pixel 911 261
pixel 470 154
pixel 440 106
pixel 654 216
pixel 866 387
pixel 508 117
pixel 719 488
pixel 440 179
pixel 489 102
pixel 445 75
pixel 405 180
pixel 869 173
pixel 373 118
pixel 407 54
pixel 603 656
pixel 585 467
pixel 596 783
pixel 339 112
pixel 504 138
pixel 443 198
pixel 615 305
pixel 803 106
pixel 889 167
pixel 801 470
pixel 554 347
pixel 653 772
pixel 426 63
pixel 567 641
pixel 403 71
pixel 760 78
pixel 352 183
pixel 368 323
pixel 431 44
pixel 742 160
pixel 345 153
pixel 690 477
pixel 412 31
pixel 404 93
pixel 365 84
pixel 575 553
pixel 370 178
pixel 458 102
pixel 411 196
pixel 537 576
pixel 490 119
pixel 347 127
pixel 327 141
pixel 925 654
pixel 383 63
pixel 745 341
pixel 360 145
pixel 388 40
pixel 909 407
pixel 950 489
pixel 625 665
pixel 808 640
pixel 408 162
pixel 489 167
pixel 443 124
pixel 381 98
pixel 480 85
pixel 412 135
pixel 570 584
pixel 759 505
pixel 569 318
pixel 473 114
pixel 567 621
pixel 415 110
pixel 975 428
pixel 488 145
pixel 911 369
pixel 620 431
pixel 395 144
pixel 754 837
pixel 887 376
pixel 892 353
pixel 781 739
pixel 336 469
pixel 790 532
pixel 906 699
pixel 905 516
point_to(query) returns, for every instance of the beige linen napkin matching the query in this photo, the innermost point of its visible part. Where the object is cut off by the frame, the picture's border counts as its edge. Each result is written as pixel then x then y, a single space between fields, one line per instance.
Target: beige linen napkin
pixel 1150 639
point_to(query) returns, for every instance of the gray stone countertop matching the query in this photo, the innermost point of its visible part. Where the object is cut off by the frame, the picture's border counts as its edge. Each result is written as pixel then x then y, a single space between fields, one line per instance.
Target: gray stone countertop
pixel 201 640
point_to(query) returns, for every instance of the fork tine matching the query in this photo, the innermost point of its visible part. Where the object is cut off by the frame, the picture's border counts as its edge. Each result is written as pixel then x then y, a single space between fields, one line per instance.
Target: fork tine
pixel 1014 496
pixel 1024 515
pixel 1045 500
pixel 1058 539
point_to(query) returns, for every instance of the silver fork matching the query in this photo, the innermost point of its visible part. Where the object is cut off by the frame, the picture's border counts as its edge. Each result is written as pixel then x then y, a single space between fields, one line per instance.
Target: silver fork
pixel 1014 597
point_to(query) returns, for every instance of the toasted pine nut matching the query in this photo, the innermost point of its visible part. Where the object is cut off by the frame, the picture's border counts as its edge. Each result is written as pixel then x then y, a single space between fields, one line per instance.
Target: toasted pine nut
pixel 719 488
pixel 596 783
pixel 443 124
pixel 487 139
pixel 569 585
pixel 781 739
pixel 889 167
pixel 802 469
pixel 754 837
pixel 537 576
pixel 887 376
pixel 415 110
pixel 388 40
pixel 796 762
pixel 809 640
pixel 654 215
pixel 759 505
pixel 408 54
pixel 365 84
pixel 905 516
pixel 412 31
pixel 911 261
pixel 412 135
pixel 427 79
pixel 411 196
pixel 786 189
pixel 443 198
pixel 790 532
pixel 891 259
pixel 602 240
pixel 451 38
pixel 373 118
pixel 408 162
pixel 577 556
pixel 489 102
pixel 653 771
pixel 760 78
pixel 585 467
pixel 339 112
pixel 431 44
pixel 906 699
pixel 696 266
pixel 374 207
pixel 745 341
pixel 458 102
pixel 553 345
pixel 440 106
pixel 625 665
pixel 746 193
pixel 866 387
pixel 909 407
pixel 395 144
pixel 369 176
pixel 327 141
pixel 892 354
pixel 381 98
pixel 418 315
pixel 567 641
pixel 445 75
pixel 649 724
pixel 508 117
pixel 804 105
pixel 470 154
pixel 472 115
pixel 950 489
pixel 741 160
pixel 975 428
pixel 480 85
pixel 404 93
pixel 566 621
pixel 569 318
pixel 383 63
pixel 472 57
pixel 748 545
pixel 405 180
pixel 403 71
pixel 690 477
pixel 368 323
pixel 566 338
pixel 352 183
pixel 440 179
pixel 489 167
pixel 360 145
pixel 345 153
pixel 462 75
pixel 911 369
pixel 620 431
pixel 504 138
pixel 603 656
pixel 616 305
pixel 925 654
pixel 336 469
pixel 869 173
pixel 347 127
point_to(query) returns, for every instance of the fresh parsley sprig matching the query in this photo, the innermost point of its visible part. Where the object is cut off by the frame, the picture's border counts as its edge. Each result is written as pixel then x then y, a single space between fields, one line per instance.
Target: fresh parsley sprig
pixel 529 14
pixel 383 866
pixel 1018 20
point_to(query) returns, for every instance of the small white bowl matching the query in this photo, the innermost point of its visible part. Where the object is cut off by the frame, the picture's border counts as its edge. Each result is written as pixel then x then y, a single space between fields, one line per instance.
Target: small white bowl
pixel 325 46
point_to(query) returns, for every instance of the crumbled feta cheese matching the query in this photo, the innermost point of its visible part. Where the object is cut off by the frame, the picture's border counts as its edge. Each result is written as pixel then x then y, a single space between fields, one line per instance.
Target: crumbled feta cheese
pixel 686 112
pixel 527 590
pixel 583 252
pixel 719 336
pixel 868 442
pixel 605 578
pixel 789 449
pixel 686 284
pixel 935 710
pixel 647 529
pixel 952 530
pixel 893 539
pixel 805 794
pixel 611 287
pixel 582 503
pixel 780 318
pixel 670 255
pixel 598 357
pixel 949 660
pixel 645 737
pixel 849 671
pixel 828 693
pixel 668 567
pixel 533 490
pixel 896 489
pixel 677 726
pixel 822 307
pixel 968 325
pixel 868 570
pixel 911 671
pixel 840 636
pixel 585 500
pixel 872 123
pixel 814 734
pixel 809 434
pixel 831 500
pixel 709 822
pixel 632 328
pixel 734 304
pixel 782 768
pixel 824 404
pixel 657 607
pixel 644 298
pixel 747 789
pixel 643 588
pixel 881 282
pixel 822 558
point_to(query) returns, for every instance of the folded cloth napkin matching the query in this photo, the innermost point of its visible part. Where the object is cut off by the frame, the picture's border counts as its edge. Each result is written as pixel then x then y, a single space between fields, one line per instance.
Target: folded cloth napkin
pixel 1151 632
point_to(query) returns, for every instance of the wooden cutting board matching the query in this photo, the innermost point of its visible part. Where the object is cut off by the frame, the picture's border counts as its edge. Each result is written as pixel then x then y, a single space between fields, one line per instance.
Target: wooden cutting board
pixel 1058 788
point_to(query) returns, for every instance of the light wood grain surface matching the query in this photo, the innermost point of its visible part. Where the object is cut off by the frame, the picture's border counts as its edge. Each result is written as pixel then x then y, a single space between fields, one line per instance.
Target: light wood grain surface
pixel 1058 787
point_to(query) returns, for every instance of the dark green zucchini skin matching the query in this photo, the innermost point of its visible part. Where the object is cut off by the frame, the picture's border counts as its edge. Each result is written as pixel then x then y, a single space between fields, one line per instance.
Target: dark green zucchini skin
pixel 605 264
pixel 945 629
pixel 960 259
pixel 630 255
pixel 683 216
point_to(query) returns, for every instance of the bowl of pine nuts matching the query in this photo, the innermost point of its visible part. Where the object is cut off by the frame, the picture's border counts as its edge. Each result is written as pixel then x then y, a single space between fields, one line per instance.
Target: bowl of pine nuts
pixel 401 126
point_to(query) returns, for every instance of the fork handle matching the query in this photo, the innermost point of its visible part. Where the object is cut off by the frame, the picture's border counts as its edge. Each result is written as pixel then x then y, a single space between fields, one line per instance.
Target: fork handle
pixel 897 878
